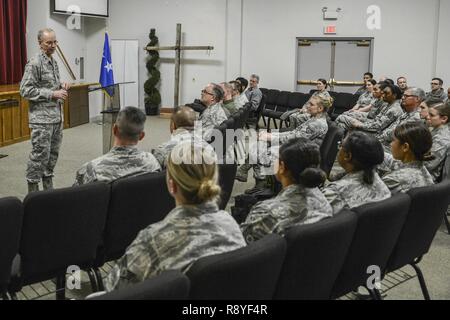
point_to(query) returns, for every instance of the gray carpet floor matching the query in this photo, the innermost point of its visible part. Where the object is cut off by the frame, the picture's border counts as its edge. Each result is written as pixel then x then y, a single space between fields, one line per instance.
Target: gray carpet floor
pixel 84 143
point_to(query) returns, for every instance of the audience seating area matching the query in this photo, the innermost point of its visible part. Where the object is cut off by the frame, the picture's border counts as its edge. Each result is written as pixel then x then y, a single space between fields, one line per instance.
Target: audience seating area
pixel 90 225
pixel 277 102
pixel 326 260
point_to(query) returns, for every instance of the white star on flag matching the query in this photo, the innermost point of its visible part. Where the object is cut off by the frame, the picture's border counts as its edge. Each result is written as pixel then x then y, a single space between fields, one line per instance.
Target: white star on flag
pixel 108 66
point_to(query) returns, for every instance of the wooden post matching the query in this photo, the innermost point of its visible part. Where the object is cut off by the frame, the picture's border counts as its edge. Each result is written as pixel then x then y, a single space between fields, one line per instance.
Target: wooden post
pixel 177 67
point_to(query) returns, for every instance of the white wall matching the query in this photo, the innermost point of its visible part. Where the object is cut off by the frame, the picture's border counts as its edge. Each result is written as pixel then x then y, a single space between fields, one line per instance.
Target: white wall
pixel 403 46
pixel 253 36
pixel 443 60
pixel 203 25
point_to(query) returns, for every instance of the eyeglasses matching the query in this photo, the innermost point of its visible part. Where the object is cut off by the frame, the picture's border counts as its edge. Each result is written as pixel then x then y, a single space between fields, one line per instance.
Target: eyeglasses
pixel 408 95
pixel 50 43
pixel 206 92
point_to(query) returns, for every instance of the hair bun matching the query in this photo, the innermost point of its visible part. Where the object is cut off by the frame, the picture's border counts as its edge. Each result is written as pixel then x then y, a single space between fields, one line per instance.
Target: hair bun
pixel 208 190
pixel 312 177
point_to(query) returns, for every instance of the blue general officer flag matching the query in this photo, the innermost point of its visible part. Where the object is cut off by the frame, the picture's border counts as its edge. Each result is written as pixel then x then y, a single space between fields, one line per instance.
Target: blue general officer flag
pixel 106 72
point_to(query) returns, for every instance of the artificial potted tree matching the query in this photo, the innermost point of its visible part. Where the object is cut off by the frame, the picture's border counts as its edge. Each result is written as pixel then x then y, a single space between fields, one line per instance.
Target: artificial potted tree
pixel 153 97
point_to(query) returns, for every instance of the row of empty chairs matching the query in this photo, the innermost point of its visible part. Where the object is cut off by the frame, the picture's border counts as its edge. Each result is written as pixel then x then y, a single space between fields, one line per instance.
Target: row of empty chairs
pixel 316 262
pixel 278 102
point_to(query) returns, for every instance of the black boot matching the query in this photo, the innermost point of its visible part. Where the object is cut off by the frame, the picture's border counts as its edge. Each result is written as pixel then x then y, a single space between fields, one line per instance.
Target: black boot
pixel 33 187
pixel 47 183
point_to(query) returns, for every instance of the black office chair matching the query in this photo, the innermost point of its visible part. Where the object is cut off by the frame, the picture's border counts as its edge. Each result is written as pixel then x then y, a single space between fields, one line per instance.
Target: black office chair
pixel 61 228
pixel 136 203
pixel 315 255
pixel 250 273
pixel 11 215
pixel 377 231
pixel 422 222
pixel 170 285
pixel 329 148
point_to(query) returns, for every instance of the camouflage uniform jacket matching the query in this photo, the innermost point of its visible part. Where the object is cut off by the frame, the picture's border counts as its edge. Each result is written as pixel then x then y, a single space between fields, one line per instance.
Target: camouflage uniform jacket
pixel 40 79
pixel 408 176
pixel 386 116
pixel 436 96
pixel 187 234
pixel 295 205
pixel 179 136
pixel 212 117
pixel 441 143
pixel 377 107
pixel 315 129
pixel 351 192
pixel 366 99
pixel 387 135
pixel 120 162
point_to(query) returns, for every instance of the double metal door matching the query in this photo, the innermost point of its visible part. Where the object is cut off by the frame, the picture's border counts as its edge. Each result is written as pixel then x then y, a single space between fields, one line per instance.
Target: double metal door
pixel 340 61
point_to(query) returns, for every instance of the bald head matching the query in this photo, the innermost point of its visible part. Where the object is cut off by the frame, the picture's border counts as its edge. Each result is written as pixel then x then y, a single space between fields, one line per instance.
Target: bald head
pixel 184 117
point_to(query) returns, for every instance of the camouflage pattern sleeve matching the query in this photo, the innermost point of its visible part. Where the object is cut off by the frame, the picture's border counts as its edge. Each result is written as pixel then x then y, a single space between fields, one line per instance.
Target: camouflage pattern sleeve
pixel 260 222
pixel 30 87
pixel 334 198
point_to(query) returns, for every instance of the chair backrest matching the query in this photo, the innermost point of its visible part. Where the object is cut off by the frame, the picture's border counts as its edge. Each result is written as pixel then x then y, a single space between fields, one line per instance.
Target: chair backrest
pixel 297 100
pixel 282 101
pixel 428 205
pixel 315 255
pixel 272 96
pixel 446 168
pixel 377 231
pixel 343 102
pixel 136 203
pixel 11 215
pixel 329 147
pixel 250 273
pixel 227 174
pixel 62 228
pixel 170 285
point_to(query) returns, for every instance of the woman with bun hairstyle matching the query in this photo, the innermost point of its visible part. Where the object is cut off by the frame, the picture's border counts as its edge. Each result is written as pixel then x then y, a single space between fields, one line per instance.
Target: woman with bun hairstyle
pixel 438 119
pixel 196 228
pixel 411 146
pixel 300 201
pixel 359 155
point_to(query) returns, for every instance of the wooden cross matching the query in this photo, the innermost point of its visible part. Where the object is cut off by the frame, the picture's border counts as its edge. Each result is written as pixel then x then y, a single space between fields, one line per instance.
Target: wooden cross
pixel 178 48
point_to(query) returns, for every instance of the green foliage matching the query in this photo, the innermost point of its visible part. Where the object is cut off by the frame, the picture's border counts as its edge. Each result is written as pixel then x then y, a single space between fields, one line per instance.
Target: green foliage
pixel 150 87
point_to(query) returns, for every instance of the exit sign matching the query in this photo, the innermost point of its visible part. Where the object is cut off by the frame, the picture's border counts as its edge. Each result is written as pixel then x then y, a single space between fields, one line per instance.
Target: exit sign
pixel 331 29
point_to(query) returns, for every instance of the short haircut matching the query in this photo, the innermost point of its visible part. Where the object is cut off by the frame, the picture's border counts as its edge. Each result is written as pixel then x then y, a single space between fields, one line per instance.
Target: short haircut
pixel 369 74
pixel 373 82
pixel 42 31
pixel 243 82
pixel 254 76
pixel 131 123
pixel 401 78
pixel 418 136
pixel 367 152
pixel 218 92
pixel 417 92
pixel 441 82
pixel 184 117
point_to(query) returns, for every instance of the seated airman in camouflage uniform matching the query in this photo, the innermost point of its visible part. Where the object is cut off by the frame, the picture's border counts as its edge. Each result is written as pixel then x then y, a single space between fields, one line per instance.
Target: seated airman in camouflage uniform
pixel 214 115
pixel 298 116
pixel 42 87
pixel 314 128
pixel 182 127
pixel 437 93
pixel 366 108
pixel 411 100
pixel 228 102
pixel 359 155
pixel 196 228
pixel 387 115
pixel 412 145
pixel 300 201
pixel 124 160
pixel 438 117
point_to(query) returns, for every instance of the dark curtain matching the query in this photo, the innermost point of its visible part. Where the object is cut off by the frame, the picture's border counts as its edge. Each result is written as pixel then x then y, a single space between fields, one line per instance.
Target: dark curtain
pixel 13 48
